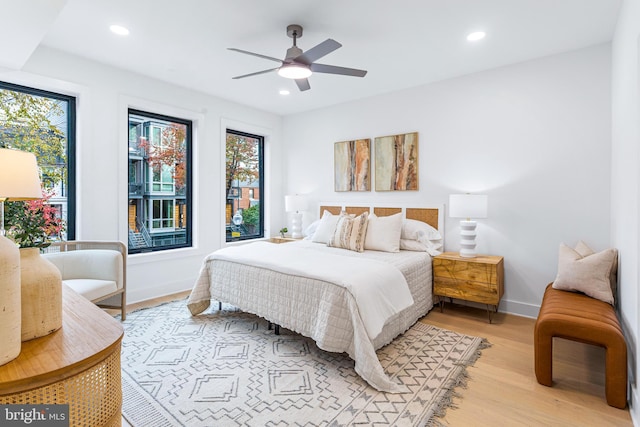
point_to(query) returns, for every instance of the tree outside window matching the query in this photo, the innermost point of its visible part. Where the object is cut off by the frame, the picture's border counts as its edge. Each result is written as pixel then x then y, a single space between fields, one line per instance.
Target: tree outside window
pixel 159 208
pixel 244 186
pixel 43 123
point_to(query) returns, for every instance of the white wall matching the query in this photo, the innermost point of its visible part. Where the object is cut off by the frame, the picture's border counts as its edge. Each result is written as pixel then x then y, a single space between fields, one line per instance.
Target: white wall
pixel 625 191
pixel 104 94
pixel 535 137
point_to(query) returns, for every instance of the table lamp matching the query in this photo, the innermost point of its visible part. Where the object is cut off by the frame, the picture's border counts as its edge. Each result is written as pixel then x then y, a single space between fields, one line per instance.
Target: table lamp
pixel 295 203
pixel 19 180
pixel 468 206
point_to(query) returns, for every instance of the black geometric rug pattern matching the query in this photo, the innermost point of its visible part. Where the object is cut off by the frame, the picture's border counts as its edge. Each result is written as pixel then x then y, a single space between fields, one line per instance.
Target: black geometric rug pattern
pixel 227 368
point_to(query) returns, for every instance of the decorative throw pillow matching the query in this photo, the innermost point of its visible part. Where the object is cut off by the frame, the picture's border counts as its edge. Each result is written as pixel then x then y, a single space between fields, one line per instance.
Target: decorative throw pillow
pixel 383 233
pixel 350 233
pixel 326 227
pixel 582 270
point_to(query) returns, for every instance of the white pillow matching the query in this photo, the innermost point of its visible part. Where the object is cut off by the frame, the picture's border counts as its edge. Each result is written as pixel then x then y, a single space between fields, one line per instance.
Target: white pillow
pixel 383 233
pixel 412 245
pixel 582 270
pixel 425 235
pixel 411 228
pixel 311 229
pixel 350 232
pixel 326 227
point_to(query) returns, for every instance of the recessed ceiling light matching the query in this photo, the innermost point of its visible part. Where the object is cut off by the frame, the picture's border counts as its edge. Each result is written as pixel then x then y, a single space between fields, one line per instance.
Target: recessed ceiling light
pixel 119 30
pixel 284 92
pixel 478 35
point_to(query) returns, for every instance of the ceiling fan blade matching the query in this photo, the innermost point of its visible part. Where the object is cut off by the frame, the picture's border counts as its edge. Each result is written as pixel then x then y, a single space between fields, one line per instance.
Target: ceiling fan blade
pixel 256 54
pixel 303 84
pixel 332 69
pixel 256 73
pixel 318 51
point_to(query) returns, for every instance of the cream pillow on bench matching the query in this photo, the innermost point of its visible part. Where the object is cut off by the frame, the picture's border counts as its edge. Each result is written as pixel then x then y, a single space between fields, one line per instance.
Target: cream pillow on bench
pixel 582 270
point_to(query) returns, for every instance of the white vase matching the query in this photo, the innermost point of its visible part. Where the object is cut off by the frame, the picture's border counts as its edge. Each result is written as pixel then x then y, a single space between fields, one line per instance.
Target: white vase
pixel 10 341
pixel 41 293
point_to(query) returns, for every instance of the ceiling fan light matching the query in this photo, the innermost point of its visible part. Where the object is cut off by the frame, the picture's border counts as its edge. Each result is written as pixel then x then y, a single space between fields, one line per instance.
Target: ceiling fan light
pixel 294 71
pixel 475 36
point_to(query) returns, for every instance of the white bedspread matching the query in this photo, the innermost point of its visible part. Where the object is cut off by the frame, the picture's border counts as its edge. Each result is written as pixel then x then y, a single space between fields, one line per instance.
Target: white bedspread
pixel 379 288
pixel 316 307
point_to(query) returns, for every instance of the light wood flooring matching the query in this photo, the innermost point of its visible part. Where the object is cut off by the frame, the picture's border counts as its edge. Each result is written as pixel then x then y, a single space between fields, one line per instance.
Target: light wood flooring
pixel 502 389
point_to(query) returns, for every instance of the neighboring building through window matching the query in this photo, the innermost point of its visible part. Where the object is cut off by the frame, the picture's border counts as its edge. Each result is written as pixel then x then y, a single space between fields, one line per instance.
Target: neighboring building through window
pixel 159 209
pixel 244 186
pixel 44 123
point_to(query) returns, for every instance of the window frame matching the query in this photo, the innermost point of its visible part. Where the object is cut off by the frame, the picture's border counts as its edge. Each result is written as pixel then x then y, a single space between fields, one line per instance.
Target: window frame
pixel 147 172
pixel 261 177
pixel 70 224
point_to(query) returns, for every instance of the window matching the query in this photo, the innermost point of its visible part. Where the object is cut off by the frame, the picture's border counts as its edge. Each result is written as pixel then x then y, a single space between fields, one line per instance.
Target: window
pixel 162 214
pixel 159 208
pixel 244 186
pixel 44 123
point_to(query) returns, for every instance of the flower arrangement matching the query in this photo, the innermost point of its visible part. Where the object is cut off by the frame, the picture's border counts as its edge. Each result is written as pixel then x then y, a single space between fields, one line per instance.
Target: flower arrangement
pixel 33 223
pixel 282 231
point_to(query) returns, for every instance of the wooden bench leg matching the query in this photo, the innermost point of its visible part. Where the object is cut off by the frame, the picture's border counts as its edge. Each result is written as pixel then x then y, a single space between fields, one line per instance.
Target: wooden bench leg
pixel 616 376
pixel 543 355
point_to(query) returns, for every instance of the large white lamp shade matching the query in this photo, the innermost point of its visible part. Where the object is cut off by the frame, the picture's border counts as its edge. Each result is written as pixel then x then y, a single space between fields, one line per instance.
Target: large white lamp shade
pixel 19 178
pixel 469 207
pixel 295 203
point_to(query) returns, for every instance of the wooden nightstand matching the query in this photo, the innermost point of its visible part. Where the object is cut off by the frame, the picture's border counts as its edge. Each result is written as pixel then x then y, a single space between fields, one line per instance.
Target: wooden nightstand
pixel 479 279
pixel 282 239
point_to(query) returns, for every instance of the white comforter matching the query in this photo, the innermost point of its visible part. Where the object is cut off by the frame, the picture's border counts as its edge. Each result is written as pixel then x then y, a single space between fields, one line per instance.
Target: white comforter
pixel 315 299
pixel 380 290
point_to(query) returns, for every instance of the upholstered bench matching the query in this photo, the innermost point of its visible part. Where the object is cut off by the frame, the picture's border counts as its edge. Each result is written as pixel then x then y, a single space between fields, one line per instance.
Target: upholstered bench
pixel 575 316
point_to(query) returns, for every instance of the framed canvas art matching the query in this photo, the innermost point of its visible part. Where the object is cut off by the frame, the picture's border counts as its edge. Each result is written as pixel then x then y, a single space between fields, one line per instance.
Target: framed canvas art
pixel 352 165
pixel 396 166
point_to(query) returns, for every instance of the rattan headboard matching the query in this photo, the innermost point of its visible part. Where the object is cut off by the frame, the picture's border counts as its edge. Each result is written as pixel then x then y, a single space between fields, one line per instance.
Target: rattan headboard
pixel 429 215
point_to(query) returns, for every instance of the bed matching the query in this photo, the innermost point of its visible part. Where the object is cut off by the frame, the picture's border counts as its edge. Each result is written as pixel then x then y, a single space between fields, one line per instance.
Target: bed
pixel 293 294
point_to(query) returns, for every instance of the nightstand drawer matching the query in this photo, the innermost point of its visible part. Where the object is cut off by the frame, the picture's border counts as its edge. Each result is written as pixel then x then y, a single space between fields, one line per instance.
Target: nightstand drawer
pixel 482 292
pixel 465 270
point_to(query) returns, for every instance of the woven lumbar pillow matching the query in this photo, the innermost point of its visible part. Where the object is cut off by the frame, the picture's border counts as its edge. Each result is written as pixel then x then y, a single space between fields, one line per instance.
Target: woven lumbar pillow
pixel 582 270
pixel 350 233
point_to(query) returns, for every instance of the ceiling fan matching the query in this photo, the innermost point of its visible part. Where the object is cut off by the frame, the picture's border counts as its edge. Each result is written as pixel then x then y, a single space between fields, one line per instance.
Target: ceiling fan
pixel 299 65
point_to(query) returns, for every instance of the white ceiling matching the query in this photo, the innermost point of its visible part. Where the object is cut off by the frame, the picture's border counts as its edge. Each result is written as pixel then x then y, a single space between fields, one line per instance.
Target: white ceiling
pixel 402 43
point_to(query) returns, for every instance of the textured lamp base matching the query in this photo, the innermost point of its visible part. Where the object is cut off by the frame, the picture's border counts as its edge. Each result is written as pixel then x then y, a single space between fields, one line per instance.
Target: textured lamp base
pixel 10 314
pixel 468 239
pixel 296 225
pixel 41 295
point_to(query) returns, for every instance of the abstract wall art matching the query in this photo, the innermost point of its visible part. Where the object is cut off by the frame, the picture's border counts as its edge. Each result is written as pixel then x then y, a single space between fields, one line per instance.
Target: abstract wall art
pixel 352 165
pixel 396 162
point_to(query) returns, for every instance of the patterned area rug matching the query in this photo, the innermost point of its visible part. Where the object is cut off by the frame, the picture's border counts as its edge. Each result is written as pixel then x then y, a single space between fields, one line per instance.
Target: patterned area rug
pixel 226 368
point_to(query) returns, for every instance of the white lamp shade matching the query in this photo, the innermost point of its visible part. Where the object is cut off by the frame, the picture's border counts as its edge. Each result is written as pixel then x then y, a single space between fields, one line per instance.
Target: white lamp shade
pixel 19 177
pixel 468 205
pixel 295 203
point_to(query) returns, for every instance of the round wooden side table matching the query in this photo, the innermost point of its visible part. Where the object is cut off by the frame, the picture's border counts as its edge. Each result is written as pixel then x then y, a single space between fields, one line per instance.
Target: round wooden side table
pixel 79 365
